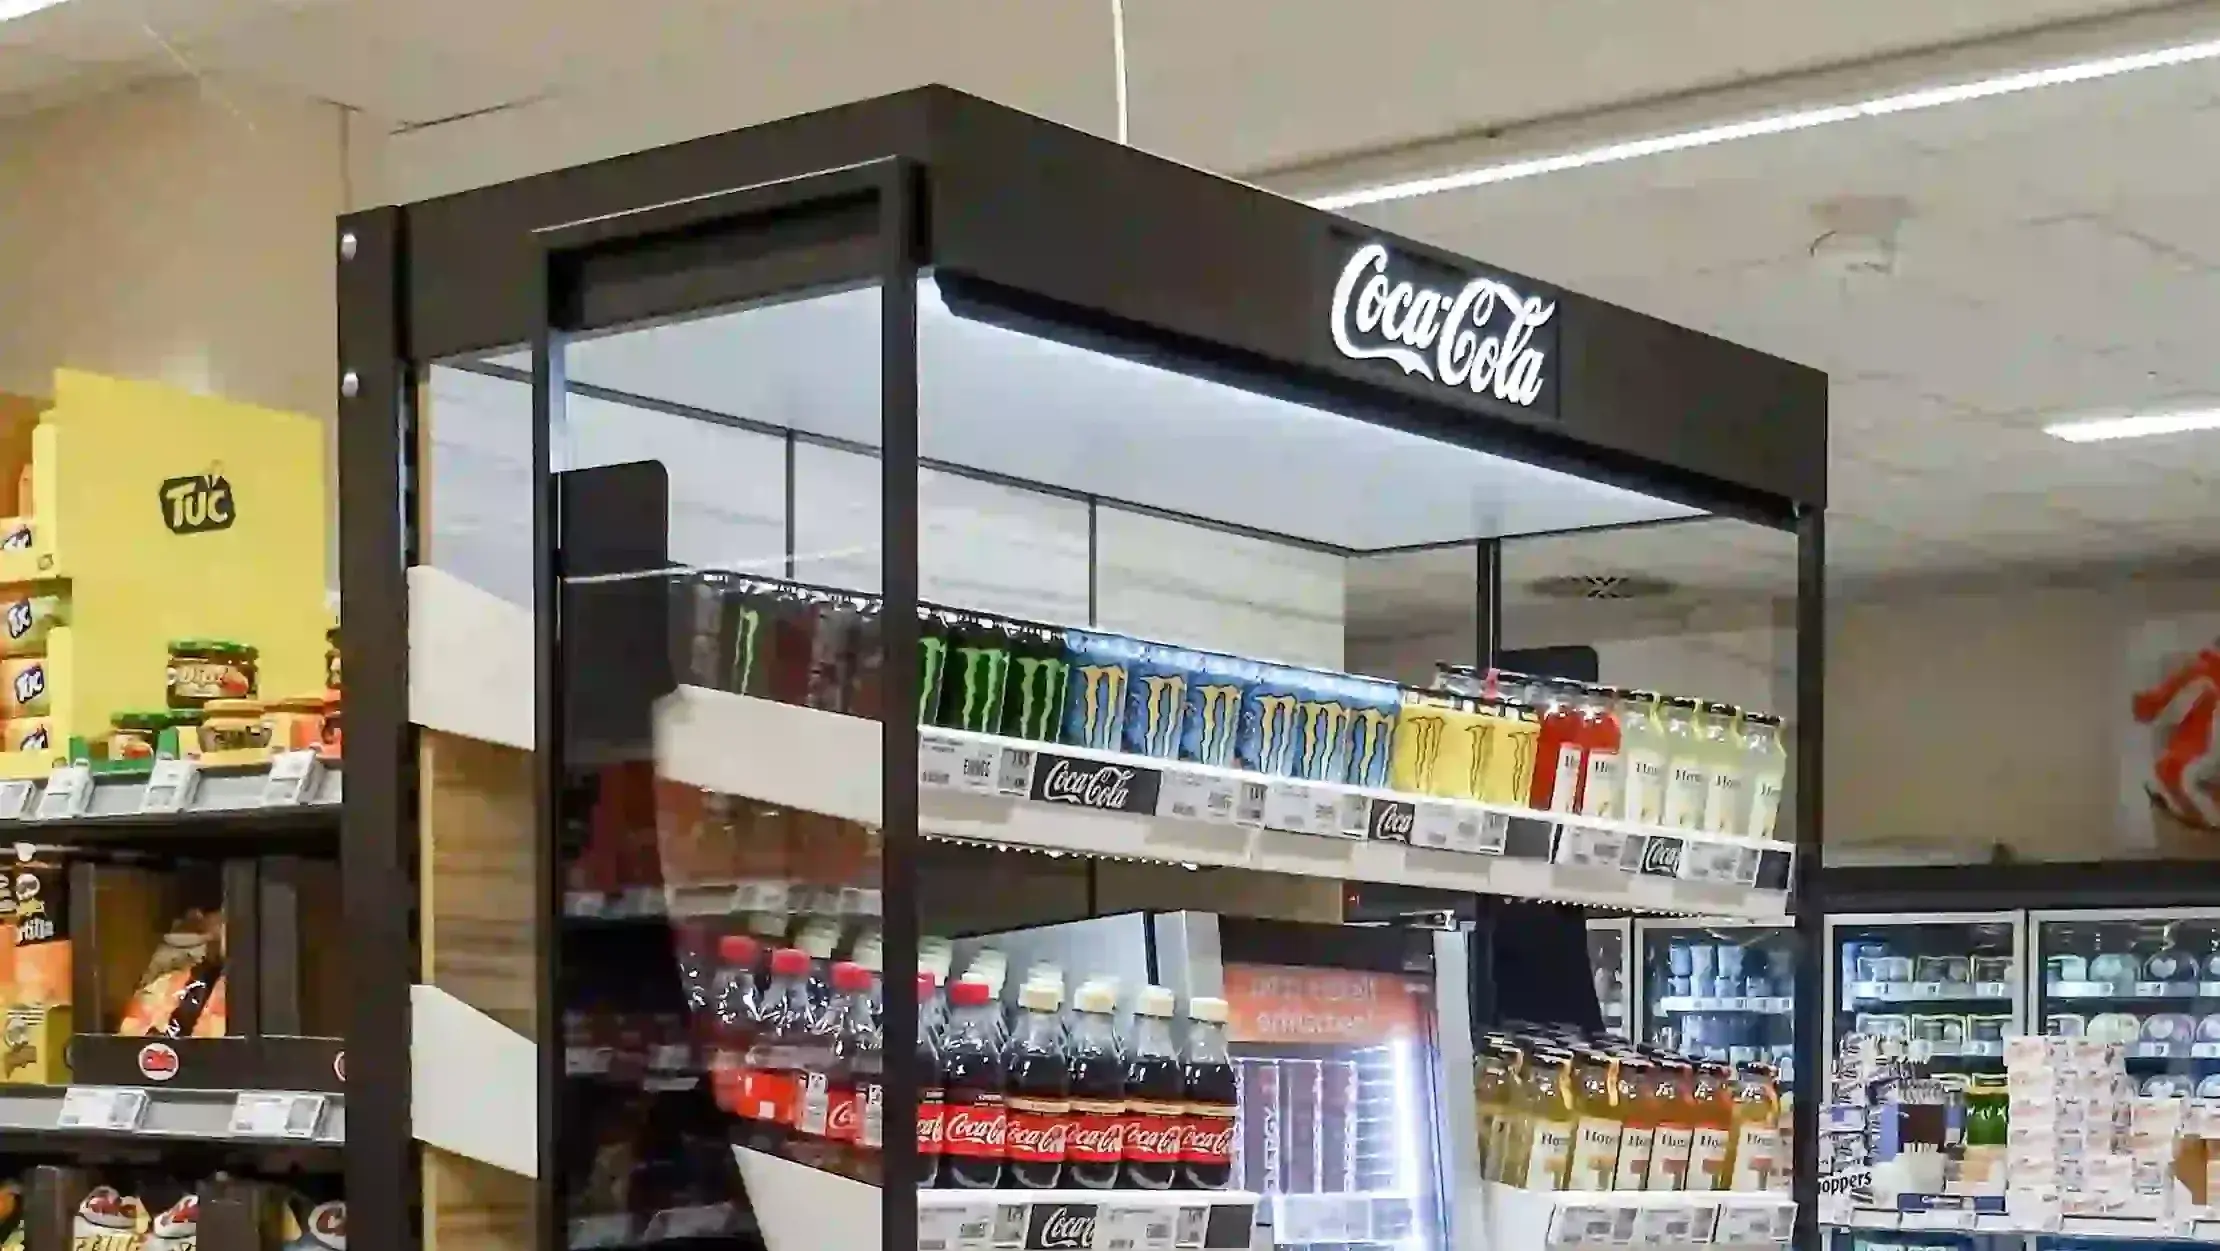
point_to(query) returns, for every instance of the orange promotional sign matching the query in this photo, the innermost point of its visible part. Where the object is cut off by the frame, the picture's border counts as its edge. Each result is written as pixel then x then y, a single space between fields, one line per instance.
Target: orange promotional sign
pixel 1292 1004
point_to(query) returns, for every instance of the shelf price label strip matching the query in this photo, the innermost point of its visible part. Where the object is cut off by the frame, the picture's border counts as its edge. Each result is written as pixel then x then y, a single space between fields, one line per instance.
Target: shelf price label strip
pixel 119 1109
pixel 276 1114
pixel 982 765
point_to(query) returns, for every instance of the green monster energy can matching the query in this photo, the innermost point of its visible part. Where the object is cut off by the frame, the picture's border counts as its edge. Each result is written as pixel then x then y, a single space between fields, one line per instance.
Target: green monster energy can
pixel 932 662
pixel 719 620
pixel 1033 704
pixel 978 673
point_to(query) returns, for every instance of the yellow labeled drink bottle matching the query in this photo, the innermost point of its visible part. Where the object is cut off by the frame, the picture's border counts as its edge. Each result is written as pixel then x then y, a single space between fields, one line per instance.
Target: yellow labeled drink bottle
pixel 1710 1151
pixel 1676 1126
pixel 1539 1157
pixel 1492 1084
pixel 1633 1086
pixel 1757 1135
pixel 1597 1123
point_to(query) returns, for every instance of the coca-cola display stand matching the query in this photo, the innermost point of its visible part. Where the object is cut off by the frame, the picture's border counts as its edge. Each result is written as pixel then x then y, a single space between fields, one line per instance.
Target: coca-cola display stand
pixel 923 471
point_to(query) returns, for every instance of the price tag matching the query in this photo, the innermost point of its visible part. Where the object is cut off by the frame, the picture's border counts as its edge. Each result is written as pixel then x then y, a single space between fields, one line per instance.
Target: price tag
pixel 15 799
pixel 1745 1222
pixel 2152 990
pixel 1579 1223
pixel 171 786
pixel 1435 825
pixel 1298 809
pixel 2205 1050
pixel 292 779
pixel 1992 990
pixel 68 793
pixel 1013 774
pixel 957 764
pixel 1664 1224
pixel 1202 797
pixel 276 1114
pixel 1356 816
pixel 1132 1229
pixel 1491 831
pixel 2151 1050
pixel 1927 990
pixel 1583 845
pixel 116 1108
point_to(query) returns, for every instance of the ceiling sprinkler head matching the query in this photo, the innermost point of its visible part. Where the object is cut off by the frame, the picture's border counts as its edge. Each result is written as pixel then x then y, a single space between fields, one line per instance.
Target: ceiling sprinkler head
pixel 1858 238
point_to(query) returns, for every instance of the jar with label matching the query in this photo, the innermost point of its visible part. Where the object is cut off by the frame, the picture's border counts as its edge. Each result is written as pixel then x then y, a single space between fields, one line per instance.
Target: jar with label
pixel 138 735
pixel 1727 768
pixel 204 669
pixel 1559 759
pixel 1601 742
pixel 296 724
pixel 1642 750
pixel 233 725
pixel 1687 781
pixel 1766 757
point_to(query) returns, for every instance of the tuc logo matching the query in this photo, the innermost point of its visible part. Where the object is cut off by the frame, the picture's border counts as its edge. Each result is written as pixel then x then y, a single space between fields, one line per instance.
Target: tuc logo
pixel 1481 337
pixel 197 503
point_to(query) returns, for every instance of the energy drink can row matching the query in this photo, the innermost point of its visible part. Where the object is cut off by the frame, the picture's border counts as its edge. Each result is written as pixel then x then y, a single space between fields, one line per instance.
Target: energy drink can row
pixel 795 644
pixel 1461 747
pixel 990 675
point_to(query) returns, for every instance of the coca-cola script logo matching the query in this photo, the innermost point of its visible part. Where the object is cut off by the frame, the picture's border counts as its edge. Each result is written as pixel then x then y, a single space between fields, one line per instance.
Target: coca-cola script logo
pixel 1480 337
pixel 842 1118
pixel 1204 1143
pixel 1095 1141
pixel 1152 1139
pixel 974 1131
pixel 1061 1227
pixel 1037 1137
pixel 1392 820
pixel 931 1128
pixel 1661 856
pixel 1093 784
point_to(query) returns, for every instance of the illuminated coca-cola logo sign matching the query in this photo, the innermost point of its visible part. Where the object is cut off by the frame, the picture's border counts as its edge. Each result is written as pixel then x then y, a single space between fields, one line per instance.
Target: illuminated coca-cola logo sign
pixel 1482 335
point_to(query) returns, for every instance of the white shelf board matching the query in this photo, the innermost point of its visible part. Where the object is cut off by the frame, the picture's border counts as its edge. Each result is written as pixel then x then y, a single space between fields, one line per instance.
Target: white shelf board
pixel 470 661
pixel 1565 1219
pixel 473 1084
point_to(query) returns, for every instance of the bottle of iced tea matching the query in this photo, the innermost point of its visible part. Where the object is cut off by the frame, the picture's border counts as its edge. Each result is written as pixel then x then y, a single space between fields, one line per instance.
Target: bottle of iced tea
pixel 1491 1090
pixel 1634 1086
pixel 1676 1125
pixel 1544 1147
pixel 1597 1124
pixel 1709 1155
pixel 1757 1137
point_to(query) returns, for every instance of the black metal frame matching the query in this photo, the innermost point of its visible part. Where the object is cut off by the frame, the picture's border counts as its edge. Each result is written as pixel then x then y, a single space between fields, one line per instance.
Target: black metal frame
pixel 1062 232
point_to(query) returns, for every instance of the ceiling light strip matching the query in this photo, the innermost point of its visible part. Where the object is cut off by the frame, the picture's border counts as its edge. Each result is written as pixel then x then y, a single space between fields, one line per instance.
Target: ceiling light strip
pixel 1774 124
pixel 2135 426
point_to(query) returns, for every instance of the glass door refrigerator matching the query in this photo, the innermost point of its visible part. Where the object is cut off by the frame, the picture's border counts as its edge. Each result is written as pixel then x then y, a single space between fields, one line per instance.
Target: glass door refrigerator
pixel 1948 985
pixel 2148 978
pixel 1351 1049
pixel 1611 963
pixel 1719 990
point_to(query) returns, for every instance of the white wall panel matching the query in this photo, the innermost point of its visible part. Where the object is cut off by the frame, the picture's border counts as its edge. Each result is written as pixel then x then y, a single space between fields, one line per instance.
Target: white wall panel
pixel 1182 583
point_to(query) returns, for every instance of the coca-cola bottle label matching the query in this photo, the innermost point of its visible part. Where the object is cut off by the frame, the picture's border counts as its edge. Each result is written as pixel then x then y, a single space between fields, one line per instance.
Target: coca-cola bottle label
pixel 871 1116
pixel 977 1130
pixel 1097 1132
pixel 844 1115
pixel 767 1095
pixel 1153 1132
pixel 932 1123
pixel 813 1114
pixel 1038 1129
pixel 1206 1134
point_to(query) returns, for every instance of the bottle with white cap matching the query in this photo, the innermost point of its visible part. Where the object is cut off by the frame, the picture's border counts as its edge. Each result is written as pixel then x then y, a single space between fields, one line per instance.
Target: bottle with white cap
pixel 1155 1096
pixel 1213 1097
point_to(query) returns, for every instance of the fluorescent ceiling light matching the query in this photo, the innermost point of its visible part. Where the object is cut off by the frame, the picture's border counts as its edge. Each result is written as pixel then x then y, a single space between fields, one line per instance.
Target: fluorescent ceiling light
pixel 23 8
pixel 1774 124
pixel 2135 426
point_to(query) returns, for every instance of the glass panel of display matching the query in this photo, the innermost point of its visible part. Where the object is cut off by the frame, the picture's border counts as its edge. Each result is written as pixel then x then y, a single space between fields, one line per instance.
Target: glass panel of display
pixel 2148 979
pixel 1720 991
pixel 719 948
pixel 1948 988
pixel 1607 964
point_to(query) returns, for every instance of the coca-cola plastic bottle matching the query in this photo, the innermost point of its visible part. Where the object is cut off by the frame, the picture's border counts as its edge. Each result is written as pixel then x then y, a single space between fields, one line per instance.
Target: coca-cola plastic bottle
pixel 1206 1070
pixel 975 1125
pixel 855 1095
pixel 735 1014
pixel 1039 1098
pixel 1155 1096
pixel 789 1044
pixel 931 1105
pixel 1096 1145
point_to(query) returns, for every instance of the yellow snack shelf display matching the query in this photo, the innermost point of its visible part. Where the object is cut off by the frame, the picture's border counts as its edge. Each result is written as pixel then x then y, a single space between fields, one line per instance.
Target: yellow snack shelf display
pixel 161 515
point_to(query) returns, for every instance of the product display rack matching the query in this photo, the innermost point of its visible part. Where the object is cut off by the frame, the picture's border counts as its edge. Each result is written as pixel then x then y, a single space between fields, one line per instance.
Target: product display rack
pixel 1953 981
pixel 891 251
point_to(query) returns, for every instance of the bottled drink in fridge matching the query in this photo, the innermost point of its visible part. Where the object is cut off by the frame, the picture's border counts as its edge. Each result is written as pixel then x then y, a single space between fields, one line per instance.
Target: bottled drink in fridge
pixel 976 1121
pixel 1206 1073
pixel 931 1105
pixel 1096 1144
pixel 1726 803
pixel 1687 775
pixel 1155 1096
pixel 735 1011
pixel 1642 766
pixel 1768 758
pixel 855 1090
pixel 783 1048
pixel 1713 1141
pixel 1039 1097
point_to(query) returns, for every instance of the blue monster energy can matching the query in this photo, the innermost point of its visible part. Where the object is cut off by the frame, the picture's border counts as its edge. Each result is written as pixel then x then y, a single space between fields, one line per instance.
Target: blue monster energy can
pixel 1270 721
pixel 1095 689
pixel 1156 699
pixel 1373 706
pixel 1213 723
